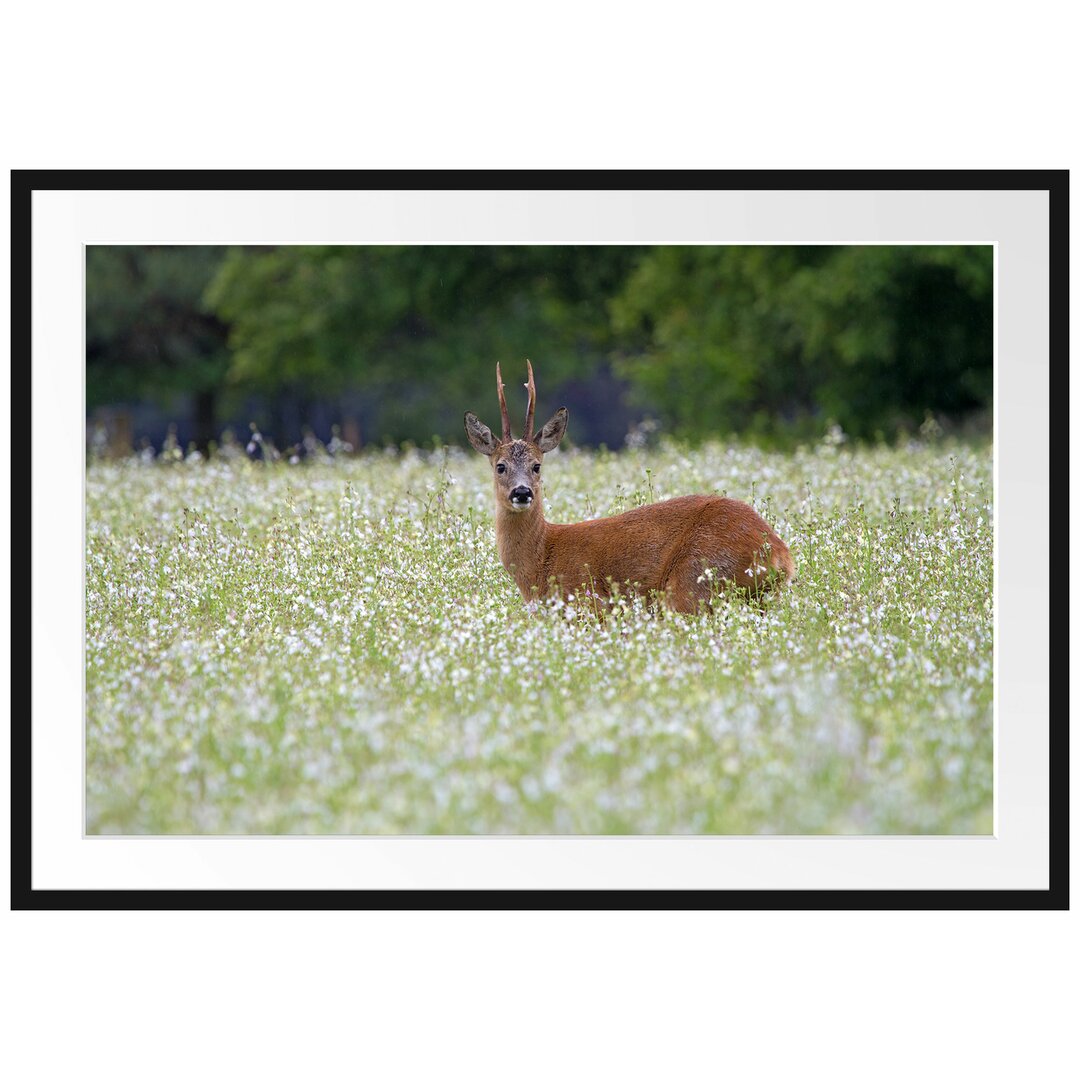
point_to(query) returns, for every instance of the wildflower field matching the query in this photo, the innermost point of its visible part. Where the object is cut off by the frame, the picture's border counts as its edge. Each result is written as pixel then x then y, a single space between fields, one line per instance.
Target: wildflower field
pixel 334 647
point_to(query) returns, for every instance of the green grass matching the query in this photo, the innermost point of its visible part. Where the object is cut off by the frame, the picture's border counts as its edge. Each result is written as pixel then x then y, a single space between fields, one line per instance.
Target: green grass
pixel 335 648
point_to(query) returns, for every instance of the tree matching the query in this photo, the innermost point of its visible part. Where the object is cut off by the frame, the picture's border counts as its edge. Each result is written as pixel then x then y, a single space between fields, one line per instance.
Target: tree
pixel 148 333
pixel 414 331
pixel 719 339
pixel 711 340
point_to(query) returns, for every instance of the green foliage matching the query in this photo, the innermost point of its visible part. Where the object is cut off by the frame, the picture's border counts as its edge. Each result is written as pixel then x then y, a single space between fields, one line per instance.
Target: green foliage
pixel 417 329
pixel 749 339
pixel 148 333
pixel 709 340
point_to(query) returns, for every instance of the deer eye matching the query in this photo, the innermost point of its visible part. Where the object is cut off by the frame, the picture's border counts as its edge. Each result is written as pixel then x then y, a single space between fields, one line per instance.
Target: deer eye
pixel 536 468
pixel 500 468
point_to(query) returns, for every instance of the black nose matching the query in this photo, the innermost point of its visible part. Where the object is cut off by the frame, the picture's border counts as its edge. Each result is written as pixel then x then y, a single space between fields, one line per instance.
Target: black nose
pixel 521 495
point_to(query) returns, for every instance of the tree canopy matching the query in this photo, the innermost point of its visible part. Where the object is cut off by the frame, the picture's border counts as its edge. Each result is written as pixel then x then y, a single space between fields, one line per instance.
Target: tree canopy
pixel 708 340
pixel 149 334
pixel 758 338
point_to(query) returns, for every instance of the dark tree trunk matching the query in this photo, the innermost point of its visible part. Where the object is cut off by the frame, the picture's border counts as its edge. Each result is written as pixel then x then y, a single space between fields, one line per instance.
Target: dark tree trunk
pixel 205 418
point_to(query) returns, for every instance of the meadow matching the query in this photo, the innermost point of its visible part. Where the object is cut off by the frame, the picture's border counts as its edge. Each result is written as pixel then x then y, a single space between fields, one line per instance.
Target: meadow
pixel 334 647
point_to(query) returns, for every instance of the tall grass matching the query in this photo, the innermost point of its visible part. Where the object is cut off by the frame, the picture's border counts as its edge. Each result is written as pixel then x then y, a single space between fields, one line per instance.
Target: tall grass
pixel 335 647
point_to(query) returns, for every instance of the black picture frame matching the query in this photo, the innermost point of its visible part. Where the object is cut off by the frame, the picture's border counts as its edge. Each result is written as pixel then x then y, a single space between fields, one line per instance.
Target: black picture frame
pixel 24 183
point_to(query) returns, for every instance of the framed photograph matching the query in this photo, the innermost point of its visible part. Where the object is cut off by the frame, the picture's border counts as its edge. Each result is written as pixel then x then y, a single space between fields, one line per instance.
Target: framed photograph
pixel 550 539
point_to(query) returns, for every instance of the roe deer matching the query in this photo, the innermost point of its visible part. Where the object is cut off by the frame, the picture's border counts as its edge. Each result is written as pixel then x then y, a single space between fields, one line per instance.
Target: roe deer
pixel 674 548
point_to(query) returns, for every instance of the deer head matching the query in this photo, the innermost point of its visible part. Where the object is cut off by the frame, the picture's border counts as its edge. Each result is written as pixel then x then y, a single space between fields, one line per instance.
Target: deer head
pixel 515 463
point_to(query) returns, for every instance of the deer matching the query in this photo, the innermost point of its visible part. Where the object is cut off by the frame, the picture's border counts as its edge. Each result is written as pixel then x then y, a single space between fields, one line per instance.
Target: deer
pixel 684 551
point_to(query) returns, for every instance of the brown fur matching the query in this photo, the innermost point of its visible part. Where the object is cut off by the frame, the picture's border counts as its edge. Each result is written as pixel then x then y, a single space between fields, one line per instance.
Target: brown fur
pixel 663 548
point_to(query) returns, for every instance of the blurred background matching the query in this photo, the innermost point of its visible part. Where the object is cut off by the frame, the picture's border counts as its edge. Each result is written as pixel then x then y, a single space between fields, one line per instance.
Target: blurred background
pixel 187 347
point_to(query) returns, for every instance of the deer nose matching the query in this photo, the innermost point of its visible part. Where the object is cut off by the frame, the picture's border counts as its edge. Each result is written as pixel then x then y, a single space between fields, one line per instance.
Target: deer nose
pixel 521 495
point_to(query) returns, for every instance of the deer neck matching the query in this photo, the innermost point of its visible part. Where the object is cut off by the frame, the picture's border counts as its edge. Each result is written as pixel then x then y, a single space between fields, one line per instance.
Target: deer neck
pixel 521 542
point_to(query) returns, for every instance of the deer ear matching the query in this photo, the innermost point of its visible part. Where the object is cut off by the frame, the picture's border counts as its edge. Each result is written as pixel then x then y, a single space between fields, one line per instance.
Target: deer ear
pixel 479 435
pixel 552 432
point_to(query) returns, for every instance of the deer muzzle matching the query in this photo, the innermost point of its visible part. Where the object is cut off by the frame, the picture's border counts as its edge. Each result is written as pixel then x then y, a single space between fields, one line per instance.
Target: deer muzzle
pixel 521 497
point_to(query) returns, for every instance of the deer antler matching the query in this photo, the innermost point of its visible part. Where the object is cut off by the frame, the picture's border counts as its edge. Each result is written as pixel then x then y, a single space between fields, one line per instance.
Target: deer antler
pixel 531 387
pixel 502 405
